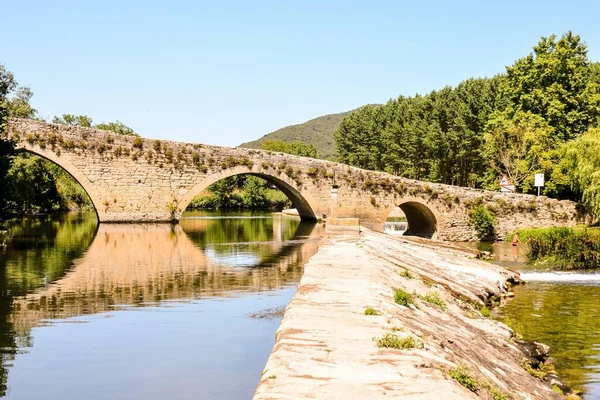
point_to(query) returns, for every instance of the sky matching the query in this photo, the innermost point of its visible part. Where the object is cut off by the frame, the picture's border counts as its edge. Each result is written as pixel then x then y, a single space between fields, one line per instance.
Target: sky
pixel 226 72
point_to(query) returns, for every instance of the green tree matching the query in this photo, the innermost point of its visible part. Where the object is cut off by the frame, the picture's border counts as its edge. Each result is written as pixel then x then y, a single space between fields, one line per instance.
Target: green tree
pixel 25 197
pixel 359 140
pixel 86 122
pixel 7 148
pixel 518 147
pixel 254 194
pixel 582 163
pixel 117 127
pixel 295 148
pixel 73 120
pixel 556 83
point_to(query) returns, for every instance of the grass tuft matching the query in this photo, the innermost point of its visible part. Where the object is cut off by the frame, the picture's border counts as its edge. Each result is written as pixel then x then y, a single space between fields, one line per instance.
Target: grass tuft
pixel 371 311
pixel 392 341
pixel 403 298
pixel 462 375
pixel 434 298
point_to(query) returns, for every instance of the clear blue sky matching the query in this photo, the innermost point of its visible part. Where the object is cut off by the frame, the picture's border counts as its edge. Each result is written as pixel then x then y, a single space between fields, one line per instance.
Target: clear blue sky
pixel 224 72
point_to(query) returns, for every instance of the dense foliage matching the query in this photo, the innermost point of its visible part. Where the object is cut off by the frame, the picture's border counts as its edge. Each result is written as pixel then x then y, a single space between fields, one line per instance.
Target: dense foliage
pixel 239 192
pixel 581 160
pixel 563 248
pixel 317 132
pixel 484 222
pixel 515 123
pixel 31 184
pixel 296 148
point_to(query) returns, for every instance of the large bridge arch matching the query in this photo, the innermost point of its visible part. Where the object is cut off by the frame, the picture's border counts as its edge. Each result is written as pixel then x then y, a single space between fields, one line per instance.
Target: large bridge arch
pixel 302 200
pixel 71 169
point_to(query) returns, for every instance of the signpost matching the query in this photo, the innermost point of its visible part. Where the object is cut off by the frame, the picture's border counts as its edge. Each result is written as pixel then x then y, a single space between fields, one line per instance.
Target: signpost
pixel 505 185
pixel 539 182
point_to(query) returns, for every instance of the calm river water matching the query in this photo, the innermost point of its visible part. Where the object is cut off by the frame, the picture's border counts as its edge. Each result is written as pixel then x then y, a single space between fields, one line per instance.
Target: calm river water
pixel 152 311
pixel 560 309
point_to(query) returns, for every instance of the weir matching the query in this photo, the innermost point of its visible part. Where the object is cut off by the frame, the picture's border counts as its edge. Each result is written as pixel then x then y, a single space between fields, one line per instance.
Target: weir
pixel 328 347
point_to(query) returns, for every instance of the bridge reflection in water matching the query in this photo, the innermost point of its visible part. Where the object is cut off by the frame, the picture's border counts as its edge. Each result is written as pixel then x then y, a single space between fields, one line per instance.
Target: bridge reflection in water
pixel 84 269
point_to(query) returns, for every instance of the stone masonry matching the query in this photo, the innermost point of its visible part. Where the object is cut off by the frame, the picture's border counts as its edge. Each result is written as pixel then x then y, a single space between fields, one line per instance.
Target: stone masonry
pixel 130 179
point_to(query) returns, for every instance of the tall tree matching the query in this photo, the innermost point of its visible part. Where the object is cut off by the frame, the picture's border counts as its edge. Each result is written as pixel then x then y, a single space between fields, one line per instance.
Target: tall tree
pixel 517 146
pixel 84 121
pixel 556 82
pixel 73 120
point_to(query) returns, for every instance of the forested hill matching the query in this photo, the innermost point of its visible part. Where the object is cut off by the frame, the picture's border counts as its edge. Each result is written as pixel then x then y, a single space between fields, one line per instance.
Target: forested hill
pixel 318 132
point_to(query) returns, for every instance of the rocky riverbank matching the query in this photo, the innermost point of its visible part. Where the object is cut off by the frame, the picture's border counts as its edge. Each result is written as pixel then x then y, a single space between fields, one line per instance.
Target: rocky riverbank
pixel 377 316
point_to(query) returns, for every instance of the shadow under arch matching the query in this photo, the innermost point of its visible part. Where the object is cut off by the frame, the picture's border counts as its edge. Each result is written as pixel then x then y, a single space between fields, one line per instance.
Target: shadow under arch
pixel 421 220
pixel 70 169
pixel 301 200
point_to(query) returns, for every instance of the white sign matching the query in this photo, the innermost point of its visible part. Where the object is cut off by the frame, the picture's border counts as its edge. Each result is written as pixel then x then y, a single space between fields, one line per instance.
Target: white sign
pixel 505 185
pixel 539 180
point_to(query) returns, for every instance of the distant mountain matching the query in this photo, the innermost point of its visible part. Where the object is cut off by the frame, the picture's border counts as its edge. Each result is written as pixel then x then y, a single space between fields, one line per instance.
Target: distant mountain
pixel 318 132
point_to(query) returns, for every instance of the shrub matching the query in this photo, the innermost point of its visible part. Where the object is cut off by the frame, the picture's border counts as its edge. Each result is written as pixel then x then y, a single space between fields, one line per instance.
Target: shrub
pixel 169 154
pixel 371 311
pixel 373 201
pixel 538 373
pixel 312 172
pixel 484 221
pixel 485 311
pixel 403 298
pixel 392 341
pixel 196 158
pixel 563 248
pixel 138 143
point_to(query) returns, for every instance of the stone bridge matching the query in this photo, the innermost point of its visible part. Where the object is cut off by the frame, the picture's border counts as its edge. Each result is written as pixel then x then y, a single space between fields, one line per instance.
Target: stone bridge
pixel 133 179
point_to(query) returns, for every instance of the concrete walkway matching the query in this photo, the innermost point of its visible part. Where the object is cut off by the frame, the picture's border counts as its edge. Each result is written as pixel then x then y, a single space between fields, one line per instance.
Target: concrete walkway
pixel 325 346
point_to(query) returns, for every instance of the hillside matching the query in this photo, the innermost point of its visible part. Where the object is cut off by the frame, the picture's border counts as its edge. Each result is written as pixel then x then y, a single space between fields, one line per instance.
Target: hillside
pixel 318 132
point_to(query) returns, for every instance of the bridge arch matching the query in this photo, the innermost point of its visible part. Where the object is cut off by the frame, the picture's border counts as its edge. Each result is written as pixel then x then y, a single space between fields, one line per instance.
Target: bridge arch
pixel 422 218
pixel 301 199
pixel 71 169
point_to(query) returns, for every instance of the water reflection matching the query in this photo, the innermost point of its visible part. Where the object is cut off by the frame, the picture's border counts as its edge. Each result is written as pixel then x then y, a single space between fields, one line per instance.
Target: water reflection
pixel 203 275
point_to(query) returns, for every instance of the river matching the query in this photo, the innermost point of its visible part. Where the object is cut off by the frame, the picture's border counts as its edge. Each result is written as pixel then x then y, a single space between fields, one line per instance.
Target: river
pixel 560 309
pixel 152 311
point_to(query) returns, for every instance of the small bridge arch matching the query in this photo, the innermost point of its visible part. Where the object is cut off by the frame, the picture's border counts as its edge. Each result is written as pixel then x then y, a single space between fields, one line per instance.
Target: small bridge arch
pixel 422 217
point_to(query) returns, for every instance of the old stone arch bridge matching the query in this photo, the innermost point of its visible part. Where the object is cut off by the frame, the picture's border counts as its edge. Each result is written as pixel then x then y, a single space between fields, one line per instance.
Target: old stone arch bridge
pixel 132 179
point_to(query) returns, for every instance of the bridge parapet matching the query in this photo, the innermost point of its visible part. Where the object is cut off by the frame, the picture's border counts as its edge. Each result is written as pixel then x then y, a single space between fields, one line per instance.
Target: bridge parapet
pixel 134 179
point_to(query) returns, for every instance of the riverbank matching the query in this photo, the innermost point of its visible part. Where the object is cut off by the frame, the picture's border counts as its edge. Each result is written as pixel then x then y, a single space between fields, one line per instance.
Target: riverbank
pixel 563 248
pixel 327 345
